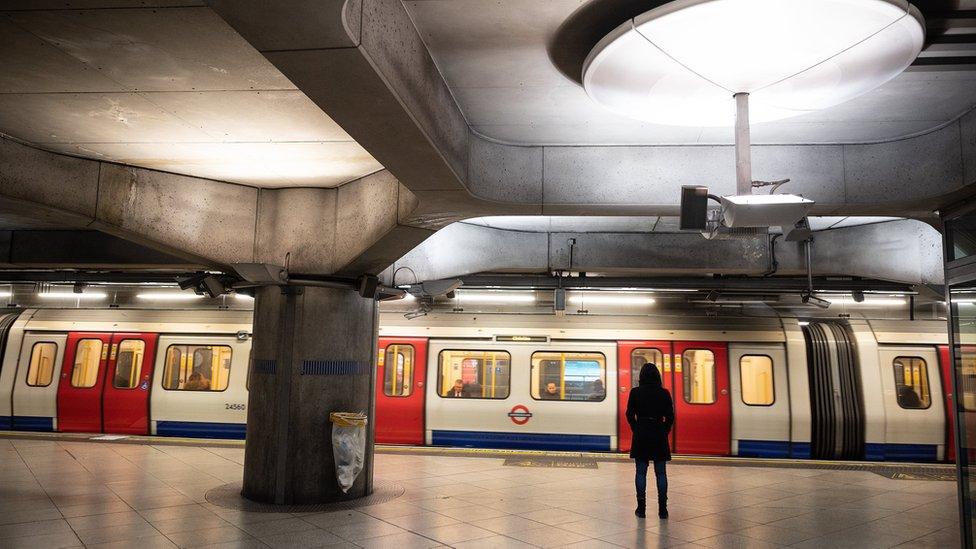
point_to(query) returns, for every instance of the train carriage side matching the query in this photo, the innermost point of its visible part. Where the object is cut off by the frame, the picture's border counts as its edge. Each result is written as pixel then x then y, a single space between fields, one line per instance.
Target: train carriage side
pixel 915 391
pixel 96 370
pixel 521 395
pixel 11 339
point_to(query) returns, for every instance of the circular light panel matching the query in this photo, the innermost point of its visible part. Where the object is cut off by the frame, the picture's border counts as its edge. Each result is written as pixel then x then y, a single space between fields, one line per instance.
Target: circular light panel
pixel 681 63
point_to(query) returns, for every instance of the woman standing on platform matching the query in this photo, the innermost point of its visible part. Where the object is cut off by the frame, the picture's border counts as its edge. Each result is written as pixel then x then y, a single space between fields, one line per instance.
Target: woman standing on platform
pixel 650 413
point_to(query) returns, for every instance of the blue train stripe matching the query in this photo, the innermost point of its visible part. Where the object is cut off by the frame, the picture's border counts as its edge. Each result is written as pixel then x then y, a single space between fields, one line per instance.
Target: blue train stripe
pixel 6 423
pixel 32 423
pixel 764 448
pixel 520 441
pixel 800 450
pixel 901 452
pixel 201 429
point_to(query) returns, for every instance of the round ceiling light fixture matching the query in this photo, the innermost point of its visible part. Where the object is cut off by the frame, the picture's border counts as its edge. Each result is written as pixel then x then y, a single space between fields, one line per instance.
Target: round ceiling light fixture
pixel 681 63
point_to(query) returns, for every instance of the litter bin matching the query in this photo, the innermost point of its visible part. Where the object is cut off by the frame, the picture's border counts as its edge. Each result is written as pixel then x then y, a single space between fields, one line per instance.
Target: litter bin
pixel 348 446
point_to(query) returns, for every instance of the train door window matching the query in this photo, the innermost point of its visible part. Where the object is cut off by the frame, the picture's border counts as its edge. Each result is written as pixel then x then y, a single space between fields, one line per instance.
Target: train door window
pixel 640 357
pixel 398 371
pixel 40 372
pixel 699 376
pixel 569 376
pixel 474 374
pixel 912 382
pixel 756 374
pixel 197 367
pixel 88 354
pixel 128 363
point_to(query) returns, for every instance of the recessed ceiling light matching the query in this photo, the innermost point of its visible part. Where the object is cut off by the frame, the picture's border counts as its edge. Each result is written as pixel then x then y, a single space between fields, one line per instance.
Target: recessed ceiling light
pixel 681 63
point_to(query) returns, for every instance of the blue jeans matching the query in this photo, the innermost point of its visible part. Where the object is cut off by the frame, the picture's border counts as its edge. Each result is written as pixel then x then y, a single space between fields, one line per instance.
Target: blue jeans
pixel 660 474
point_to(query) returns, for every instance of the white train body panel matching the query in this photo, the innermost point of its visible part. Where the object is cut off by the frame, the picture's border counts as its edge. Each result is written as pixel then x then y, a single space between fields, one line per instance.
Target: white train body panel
pixel 575 423
pixel 215 414
pixel 8 368
pixel 866 347
pixel 767 423
pixel 924 426
pixel 798 388
pixel 36 407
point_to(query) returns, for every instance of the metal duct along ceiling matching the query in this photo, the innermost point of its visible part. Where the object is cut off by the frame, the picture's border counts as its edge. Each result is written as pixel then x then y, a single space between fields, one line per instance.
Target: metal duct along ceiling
pixel 836 407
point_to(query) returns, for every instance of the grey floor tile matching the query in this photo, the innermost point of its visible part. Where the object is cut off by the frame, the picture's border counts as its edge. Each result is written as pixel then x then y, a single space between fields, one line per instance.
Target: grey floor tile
pixel 199 538
pixel 118 532
pixel 52 541
pixel 306 538
pixel 493 542
pixel 455 533
pixel 404 540
pixel 548 536
pixel 154 542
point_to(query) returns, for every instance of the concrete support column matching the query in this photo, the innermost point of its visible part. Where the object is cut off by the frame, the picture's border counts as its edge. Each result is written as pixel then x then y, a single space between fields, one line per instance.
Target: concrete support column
pixel 313 353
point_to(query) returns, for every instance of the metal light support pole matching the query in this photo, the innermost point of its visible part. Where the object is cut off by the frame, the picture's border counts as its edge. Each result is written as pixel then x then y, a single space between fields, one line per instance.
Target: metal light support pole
pixel 743 160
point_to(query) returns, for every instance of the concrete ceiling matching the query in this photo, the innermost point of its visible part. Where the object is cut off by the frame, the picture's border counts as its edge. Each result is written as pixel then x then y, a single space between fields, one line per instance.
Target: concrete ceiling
pixel 501 72
pixel 166 85
pixel 633 224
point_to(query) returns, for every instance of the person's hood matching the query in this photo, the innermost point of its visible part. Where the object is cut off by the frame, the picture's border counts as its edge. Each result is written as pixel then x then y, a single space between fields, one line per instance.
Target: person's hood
pixel 649 375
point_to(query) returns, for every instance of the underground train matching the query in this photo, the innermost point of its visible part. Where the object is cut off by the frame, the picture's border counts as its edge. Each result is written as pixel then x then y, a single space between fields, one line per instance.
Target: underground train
pixel 761 387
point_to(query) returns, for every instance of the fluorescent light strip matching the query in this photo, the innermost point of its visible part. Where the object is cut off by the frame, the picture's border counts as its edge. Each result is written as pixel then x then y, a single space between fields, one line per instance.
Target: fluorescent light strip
pixel 609 299
pixel 492 297
pixel 868 301
pixel 5 294
pixel 72 295
pixel 169 296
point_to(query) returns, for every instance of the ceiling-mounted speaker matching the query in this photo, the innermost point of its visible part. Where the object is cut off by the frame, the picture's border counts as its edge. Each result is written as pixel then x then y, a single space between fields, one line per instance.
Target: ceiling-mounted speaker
pixel 694 208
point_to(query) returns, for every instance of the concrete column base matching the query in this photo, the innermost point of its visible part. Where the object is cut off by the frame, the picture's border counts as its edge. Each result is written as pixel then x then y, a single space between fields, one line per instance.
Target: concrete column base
pixel 313 354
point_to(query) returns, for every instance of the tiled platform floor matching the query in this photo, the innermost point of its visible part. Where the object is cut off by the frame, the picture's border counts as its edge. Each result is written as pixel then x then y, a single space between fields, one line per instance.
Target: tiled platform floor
pixel 67 494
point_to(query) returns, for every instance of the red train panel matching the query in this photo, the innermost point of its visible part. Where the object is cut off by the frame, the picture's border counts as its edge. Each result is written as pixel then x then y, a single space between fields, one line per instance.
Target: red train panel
pixel 401 378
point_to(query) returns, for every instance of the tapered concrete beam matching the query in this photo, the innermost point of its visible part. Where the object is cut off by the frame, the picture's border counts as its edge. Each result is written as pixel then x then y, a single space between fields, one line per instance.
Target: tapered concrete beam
pixel 356 228
pixel 901 251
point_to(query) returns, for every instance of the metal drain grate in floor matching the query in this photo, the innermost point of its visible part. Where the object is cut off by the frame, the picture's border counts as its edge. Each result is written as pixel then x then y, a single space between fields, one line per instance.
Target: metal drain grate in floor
pixel 556 462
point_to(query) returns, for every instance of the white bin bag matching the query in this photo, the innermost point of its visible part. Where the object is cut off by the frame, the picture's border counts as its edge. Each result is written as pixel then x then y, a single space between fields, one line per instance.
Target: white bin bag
pixel 348 446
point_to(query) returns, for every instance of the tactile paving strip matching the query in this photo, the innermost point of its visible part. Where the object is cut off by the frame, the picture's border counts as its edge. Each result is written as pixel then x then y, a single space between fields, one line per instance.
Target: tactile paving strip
pixel 229 496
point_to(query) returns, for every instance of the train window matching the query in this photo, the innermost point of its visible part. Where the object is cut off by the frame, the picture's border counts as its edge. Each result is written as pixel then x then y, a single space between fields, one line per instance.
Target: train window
pixel 569 376
pixel 197 367
pixel 912 382
pixel 639 358
pixel 128 363
pixel 474 374
pixel 88 354
pixel 40 372
pixel 699 376
pixel 756 374
pixel 398 371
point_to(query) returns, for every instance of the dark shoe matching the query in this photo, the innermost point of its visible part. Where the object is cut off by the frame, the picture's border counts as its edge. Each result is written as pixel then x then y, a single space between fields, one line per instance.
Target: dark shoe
pixel 662 508
pixel 641 508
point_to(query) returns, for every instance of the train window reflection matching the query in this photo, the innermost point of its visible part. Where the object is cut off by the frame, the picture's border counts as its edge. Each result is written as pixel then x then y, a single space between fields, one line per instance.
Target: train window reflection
pixel 699 376
pixel 41 369
pixel 474 374
pixel 756 375
pixel 197 367
pixel 912 382
pixel 398 371
pixel 569 376
pixel 88 355
pixel 128 363
pixel 639 358
pixel 967 376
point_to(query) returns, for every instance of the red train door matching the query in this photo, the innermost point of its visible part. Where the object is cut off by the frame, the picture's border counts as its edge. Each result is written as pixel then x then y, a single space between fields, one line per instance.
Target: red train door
pixel 128 377
pixel 703 408
pixel 82 380
pixel 945 368
pixel 401 375
pixel 631 356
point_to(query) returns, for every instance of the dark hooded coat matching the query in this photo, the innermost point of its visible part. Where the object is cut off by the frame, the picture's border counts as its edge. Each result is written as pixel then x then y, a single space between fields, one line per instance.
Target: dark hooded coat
pixel 650 413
